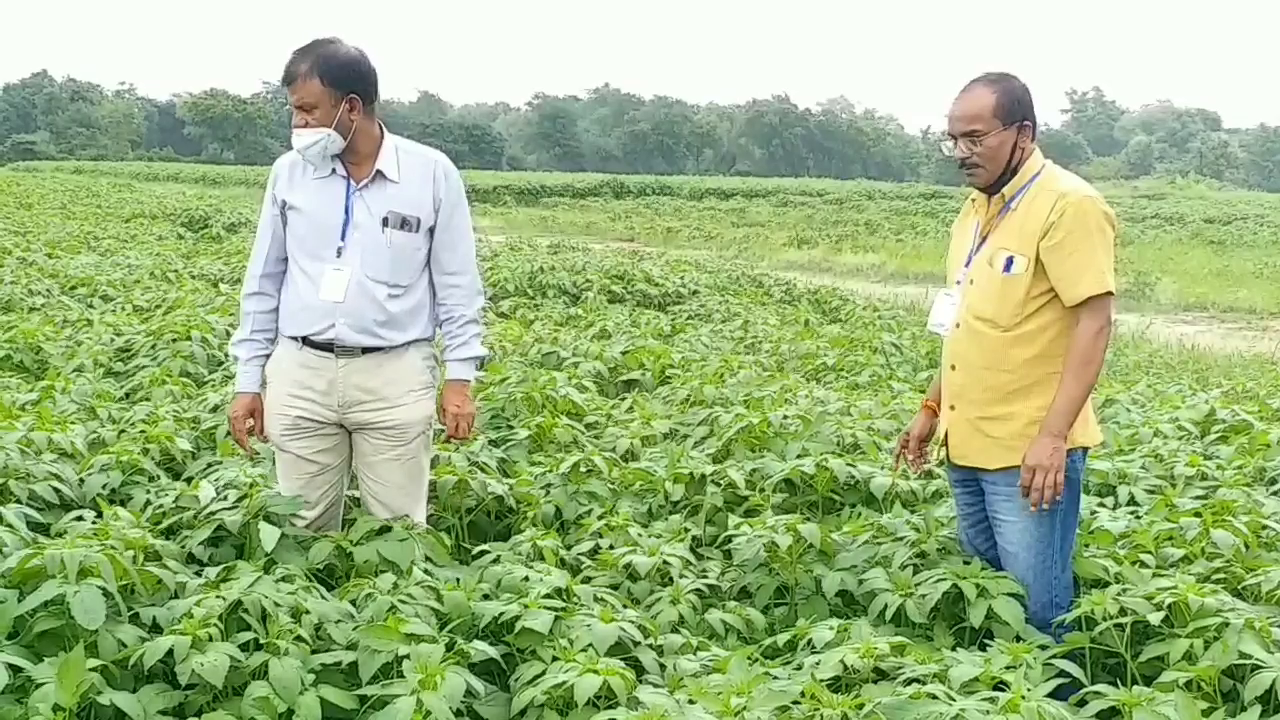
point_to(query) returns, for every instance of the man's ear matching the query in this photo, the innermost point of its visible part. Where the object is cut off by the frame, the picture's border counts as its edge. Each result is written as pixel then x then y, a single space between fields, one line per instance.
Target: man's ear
pixel 1024 135
pixel 353 105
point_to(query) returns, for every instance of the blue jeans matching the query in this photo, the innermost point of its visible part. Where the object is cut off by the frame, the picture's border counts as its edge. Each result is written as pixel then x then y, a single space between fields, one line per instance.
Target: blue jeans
pixel 995 523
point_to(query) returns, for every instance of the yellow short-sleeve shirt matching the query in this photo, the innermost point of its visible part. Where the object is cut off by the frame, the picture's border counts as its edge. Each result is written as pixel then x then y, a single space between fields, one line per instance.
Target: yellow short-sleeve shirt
pixel 1001 364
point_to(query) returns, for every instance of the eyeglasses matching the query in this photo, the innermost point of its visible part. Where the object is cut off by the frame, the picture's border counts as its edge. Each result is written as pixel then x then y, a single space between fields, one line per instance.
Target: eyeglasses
pixel 969 145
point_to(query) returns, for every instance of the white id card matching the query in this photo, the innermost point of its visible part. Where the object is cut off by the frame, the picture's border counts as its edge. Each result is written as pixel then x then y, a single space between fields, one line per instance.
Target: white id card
pixel 333 286
pixel 942 316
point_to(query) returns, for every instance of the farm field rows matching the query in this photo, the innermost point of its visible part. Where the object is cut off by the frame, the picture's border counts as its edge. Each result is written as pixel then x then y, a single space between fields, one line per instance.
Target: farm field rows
pixel 680 505
pixel 1182 247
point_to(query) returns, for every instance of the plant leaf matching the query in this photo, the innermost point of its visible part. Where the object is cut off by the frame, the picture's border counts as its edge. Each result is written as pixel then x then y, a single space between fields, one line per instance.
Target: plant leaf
pixel 1010 611
pixel 269 535
pixel 339 697
pixel 285 676
pixel 585 687
pixel 212 666
pixel 308 707
pixel 88 607
pixel 69 677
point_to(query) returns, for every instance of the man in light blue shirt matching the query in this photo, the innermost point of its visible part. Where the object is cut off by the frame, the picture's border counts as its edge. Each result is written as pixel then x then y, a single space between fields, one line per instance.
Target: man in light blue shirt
pixel 364 248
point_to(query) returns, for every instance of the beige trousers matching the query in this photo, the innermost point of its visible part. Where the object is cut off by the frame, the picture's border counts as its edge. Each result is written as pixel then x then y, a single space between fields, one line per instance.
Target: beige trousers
pixel 326 416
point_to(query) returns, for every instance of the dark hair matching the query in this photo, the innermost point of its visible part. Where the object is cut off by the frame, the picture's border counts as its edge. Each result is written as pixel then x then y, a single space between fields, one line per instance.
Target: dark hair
pixel 343 69
pixel 1013 98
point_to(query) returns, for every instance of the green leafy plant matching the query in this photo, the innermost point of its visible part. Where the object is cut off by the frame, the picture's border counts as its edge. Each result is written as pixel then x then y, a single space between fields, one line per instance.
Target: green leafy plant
pixel 679 505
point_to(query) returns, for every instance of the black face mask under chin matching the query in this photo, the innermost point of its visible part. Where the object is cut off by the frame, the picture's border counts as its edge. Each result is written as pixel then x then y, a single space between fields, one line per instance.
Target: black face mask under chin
pixel 1010 169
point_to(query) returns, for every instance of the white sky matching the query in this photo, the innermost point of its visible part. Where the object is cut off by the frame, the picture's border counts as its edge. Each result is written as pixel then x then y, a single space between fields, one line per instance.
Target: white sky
pixel 905 57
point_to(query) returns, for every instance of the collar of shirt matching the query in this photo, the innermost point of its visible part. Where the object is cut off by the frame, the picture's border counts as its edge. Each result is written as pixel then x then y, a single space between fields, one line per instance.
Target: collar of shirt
pixel 388 162
pixel 1029 169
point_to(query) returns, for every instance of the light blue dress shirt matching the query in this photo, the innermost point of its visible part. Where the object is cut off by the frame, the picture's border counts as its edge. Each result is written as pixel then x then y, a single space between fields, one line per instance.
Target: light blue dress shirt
pixel 403 285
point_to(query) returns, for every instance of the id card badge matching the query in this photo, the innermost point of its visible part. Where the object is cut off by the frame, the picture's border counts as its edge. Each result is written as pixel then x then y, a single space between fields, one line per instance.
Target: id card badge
pixel 333 285
pixel 942 316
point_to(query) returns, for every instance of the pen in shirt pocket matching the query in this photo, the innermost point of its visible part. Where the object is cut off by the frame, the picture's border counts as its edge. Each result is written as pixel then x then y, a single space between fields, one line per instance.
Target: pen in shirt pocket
pixel 386 230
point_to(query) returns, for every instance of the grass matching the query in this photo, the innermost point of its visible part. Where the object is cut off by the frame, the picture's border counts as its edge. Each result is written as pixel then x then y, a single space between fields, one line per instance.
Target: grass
pixel 1177 253
pixel 1182 247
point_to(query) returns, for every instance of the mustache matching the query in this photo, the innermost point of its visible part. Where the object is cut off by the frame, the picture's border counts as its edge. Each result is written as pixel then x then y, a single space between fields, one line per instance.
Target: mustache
pixel 967 165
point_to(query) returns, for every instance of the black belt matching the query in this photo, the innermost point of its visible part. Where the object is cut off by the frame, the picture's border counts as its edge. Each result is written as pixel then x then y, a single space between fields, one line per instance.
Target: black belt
pixel 338 350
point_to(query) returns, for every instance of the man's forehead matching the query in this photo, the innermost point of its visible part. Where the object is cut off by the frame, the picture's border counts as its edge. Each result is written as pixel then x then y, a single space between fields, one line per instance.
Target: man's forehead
pixel 973 108
pixel 306 88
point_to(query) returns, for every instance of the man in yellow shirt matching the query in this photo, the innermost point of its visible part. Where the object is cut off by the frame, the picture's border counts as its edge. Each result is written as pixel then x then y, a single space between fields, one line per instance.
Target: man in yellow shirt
pixel 1025 319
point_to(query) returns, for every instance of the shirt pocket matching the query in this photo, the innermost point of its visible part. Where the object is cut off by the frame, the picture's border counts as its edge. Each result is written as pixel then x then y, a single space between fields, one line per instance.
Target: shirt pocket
pixel 998 295
pixel 398 258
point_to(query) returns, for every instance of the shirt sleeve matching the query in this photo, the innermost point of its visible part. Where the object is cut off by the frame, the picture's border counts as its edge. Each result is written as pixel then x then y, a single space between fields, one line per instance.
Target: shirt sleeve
pixel 1078 249
pixel 254 340
pixel 459 293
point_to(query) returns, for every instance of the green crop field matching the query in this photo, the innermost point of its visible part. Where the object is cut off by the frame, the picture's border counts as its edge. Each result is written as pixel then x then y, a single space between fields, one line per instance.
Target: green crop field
pixel 679 503
pixel 1181 247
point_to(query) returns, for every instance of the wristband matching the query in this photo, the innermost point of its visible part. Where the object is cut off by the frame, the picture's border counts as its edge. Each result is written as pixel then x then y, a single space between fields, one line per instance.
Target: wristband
pixel 932 406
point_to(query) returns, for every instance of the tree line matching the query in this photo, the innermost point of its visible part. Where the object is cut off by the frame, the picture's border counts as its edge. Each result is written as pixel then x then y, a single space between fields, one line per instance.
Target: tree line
pixel 613 131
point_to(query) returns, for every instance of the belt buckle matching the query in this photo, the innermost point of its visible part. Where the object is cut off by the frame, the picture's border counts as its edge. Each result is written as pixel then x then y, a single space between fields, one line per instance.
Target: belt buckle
pixel 344 352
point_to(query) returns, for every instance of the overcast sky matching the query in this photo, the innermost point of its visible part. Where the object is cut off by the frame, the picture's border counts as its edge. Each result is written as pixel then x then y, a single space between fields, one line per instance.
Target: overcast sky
pixel 906 57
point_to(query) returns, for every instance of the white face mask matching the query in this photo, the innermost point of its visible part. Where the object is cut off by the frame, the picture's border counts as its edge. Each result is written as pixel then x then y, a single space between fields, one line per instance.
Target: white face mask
pixel 316 145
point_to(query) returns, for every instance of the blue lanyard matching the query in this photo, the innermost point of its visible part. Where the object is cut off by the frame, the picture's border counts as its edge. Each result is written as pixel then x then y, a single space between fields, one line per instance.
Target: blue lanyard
pixel 980 240
pixel 346 215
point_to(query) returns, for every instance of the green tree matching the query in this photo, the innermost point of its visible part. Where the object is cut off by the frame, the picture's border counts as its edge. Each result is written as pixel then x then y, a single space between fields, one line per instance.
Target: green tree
pixel 612 130
pixel 1138 159
pixel 1175 133
pixel 553 132
pixel 1065 147
pixel 1093 116
pixel 779 134
pixel 1214 155
pixel 230 128
pixel 660 137
pixel 1261 150
pixel 603 120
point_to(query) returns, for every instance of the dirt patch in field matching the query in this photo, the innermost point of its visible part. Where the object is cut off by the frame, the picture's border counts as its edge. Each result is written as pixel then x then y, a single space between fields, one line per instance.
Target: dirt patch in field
pixel 1208 332
pixel 1211 333
pixel 1192 330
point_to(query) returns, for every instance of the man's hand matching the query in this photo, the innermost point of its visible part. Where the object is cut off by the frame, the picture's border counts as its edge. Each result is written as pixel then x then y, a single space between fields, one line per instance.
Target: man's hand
pixel 457 410
pixel 914 443
pixel 245 415
pixel 1043 471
